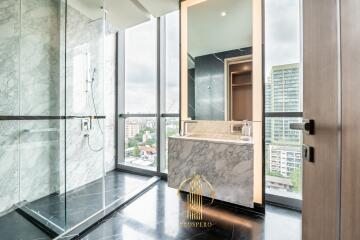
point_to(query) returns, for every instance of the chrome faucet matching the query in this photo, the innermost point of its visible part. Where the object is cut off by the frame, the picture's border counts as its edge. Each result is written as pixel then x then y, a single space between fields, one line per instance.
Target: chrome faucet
pixel 235 128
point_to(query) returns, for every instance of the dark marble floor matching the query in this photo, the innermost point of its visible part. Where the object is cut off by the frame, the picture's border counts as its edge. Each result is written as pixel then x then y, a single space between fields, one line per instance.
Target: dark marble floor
pixel 159 214
pixel 68 210
pixel 15 227
pixel 80 204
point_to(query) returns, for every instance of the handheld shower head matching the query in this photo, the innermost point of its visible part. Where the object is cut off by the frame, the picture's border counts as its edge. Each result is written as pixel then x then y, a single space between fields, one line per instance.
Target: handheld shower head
pixel 93 75
pixel 93 99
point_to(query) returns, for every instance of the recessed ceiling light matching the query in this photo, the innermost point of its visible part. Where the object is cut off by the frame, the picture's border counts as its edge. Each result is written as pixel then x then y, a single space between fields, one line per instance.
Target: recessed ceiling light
pixel 223 14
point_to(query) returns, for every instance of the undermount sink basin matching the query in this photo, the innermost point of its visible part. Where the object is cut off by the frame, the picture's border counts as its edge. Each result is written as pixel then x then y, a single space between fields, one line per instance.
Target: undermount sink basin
pixel 219 137
pixel 214 136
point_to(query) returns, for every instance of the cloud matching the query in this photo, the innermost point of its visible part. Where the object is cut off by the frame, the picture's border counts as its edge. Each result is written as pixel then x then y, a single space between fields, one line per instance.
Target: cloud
pixel 282 33
pixel 140 66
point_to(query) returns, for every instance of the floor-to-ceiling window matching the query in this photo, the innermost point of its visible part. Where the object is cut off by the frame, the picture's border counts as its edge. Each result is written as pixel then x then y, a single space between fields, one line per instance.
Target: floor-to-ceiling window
pixel 140 95
pixel 149 92
pixel 283 101
pixel 170 80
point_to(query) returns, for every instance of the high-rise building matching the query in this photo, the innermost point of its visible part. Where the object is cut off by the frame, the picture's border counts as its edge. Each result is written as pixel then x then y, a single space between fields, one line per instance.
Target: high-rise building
pixel 284 159
pixel 284 88
pixel 268 105
pixel 131 129
pixel 282 94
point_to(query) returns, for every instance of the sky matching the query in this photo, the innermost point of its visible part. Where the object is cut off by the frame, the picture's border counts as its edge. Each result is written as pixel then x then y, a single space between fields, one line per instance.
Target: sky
pixel 140 66
pixel 282 33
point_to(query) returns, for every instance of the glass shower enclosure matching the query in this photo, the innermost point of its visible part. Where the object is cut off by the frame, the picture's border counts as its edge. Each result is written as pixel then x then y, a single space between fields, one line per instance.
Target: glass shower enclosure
pixel 52 166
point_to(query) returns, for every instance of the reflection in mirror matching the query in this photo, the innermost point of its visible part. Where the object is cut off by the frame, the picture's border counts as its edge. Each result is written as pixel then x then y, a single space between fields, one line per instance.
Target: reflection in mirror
pixel 221 75
pixel 219 60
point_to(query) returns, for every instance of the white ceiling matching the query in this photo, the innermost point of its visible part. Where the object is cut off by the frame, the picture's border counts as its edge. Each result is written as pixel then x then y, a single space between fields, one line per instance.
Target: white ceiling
pixel 90 8
pixel 158 8
pixel 123 14
pixel 209 32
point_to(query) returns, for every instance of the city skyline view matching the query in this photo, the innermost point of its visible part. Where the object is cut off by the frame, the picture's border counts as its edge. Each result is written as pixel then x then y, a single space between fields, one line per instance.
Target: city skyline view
pixel 283 94
pixel 283 155
pixel 141 140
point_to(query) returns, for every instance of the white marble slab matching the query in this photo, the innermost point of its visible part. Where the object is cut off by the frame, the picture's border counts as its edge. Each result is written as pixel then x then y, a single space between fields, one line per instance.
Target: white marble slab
pixel 211 127
pixel 216 139
pixel 228 166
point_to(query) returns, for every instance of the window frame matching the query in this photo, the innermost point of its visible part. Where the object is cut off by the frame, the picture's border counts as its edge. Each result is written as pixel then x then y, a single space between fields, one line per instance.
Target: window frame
pixel 160 114
pixel 283 201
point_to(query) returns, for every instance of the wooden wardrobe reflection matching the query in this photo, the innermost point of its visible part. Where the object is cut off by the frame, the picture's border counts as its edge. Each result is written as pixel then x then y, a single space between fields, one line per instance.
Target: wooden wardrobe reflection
pixel 240 87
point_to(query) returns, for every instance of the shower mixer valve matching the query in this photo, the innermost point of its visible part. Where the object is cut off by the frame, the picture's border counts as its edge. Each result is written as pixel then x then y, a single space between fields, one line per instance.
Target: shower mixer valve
pixel 86 125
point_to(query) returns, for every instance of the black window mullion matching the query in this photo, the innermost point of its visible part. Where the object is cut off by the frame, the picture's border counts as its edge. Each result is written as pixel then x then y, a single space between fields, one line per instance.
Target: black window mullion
pixel 129 115
pixel 158 98
pixel 164 115
pixel 284 114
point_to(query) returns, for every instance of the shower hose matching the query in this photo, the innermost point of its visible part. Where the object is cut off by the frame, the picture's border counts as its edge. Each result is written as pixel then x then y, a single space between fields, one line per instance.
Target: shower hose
pixel 97 119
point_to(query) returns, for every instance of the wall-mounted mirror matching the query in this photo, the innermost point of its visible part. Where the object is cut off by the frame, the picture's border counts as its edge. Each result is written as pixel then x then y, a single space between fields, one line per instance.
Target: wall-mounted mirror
pixel 219 60
pixel 221 74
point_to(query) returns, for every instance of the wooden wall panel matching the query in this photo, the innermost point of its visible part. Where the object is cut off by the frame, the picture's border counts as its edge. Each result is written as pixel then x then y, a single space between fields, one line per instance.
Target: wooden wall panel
pixel 320 104
pixel 350 58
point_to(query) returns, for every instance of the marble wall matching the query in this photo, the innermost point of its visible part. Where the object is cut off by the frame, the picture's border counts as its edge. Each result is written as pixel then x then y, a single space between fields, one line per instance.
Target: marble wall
pixel 191 93
pixel 29 66
pixel 9 95
pixel 109 99
pixel 209 84
pixel 32 82
pixel 86 37
pixel 39 96
pixel 84 62
pixel 9 57
pixel 213 127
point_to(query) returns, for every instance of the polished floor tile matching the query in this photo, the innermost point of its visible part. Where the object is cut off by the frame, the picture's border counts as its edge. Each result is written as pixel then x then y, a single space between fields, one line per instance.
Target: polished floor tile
pixel 15 227
pixel 68 210
pixel 160 214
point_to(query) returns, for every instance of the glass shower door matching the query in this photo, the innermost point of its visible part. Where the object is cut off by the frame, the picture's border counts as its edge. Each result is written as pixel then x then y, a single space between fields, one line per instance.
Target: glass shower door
pixel 59 146
pixel 85 112
pixel 41 79
pixel 52 111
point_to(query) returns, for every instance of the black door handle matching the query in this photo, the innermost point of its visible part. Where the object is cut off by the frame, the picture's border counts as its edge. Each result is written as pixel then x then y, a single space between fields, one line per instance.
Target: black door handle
pixel 308 153
pixel 307 125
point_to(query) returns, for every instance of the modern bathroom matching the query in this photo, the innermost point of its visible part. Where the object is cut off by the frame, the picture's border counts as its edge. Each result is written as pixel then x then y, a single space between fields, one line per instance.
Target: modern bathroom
pixel 114 114
pixel 58 115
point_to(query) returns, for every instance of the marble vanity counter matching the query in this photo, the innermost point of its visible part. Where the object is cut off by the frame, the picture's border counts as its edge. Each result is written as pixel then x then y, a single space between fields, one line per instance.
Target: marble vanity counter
pixel 219 138
pixel 226 163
